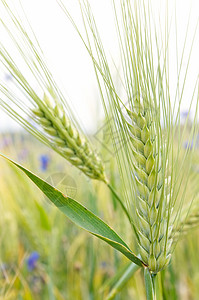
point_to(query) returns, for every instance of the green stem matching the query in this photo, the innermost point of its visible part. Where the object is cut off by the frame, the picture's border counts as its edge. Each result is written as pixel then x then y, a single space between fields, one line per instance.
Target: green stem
pixel 149 284
pixel 120 201
pixel 158 287
pixel 132 268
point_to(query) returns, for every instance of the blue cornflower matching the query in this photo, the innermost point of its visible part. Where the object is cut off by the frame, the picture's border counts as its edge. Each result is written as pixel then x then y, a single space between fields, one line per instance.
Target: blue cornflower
pixel 104 264
pixel 184 114
pixel 8 76
pixel 188 145
pixel 32 260
pixel 44 161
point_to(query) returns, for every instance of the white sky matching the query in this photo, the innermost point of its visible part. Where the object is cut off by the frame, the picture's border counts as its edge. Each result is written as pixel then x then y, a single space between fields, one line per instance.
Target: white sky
pixel 69 61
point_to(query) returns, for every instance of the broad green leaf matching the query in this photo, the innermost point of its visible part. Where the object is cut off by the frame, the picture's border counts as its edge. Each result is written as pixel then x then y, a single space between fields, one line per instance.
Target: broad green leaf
pixel 81 216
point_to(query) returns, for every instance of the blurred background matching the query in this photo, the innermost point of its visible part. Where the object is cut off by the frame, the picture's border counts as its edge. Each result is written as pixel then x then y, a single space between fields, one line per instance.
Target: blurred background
pixel 70 63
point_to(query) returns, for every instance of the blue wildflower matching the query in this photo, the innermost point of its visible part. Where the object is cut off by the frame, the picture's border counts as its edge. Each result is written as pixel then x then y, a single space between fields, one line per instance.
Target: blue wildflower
pixel 32 260
pixel 8 76
pixel 184 114
pixel 104 264
pixel 188 145
pixel 44 161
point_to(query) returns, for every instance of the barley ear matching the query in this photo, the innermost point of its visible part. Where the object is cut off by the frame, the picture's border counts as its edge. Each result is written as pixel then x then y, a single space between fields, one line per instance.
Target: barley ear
pixel 66 139
pixel 153 230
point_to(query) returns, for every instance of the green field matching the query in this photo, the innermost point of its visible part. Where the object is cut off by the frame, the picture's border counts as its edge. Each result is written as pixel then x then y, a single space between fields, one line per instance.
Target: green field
pixel 44 256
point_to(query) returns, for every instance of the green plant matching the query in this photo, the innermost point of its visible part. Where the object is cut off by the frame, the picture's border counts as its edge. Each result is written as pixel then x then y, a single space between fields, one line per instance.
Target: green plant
pixel 154 174
pixel 66 140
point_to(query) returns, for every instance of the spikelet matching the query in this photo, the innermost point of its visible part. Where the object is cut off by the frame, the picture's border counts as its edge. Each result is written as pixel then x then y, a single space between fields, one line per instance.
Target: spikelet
pixel 152 228
pixel 67 141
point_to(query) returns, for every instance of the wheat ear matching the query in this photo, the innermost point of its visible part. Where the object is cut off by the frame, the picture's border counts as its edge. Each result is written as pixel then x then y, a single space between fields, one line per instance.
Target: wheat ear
pixel 66 139
pixel 152 228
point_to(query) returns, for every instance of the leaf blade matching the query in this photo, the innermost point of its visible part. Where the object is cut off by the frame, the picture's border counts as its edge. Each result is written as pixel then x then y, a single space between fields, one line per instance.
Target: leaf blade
pixel 80 215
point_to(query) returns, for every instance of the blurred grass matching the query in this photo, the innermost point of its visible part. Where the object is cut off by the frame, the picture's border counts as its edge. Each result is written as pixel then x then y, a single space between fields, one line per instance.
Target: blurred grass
pixel 71 263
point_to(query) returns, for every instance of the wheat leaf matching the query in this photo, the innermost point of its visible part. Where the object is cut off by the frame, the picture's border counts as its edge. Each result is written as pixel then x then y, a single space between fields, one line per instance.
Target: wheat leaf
pixel 80 215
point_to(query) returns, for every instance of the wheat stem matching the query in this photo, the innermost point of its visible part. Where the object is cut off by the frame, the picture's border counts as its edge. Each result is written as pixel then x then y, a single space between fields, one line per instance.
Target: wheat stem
pixel 126 276
pixel 119 201
pixel 149 285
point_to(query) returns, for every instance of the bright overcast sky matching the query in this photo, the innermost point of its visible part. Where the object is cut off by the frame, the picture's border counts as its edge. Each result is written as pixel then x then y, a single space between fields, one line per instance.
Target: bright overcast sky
pixel 69 61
